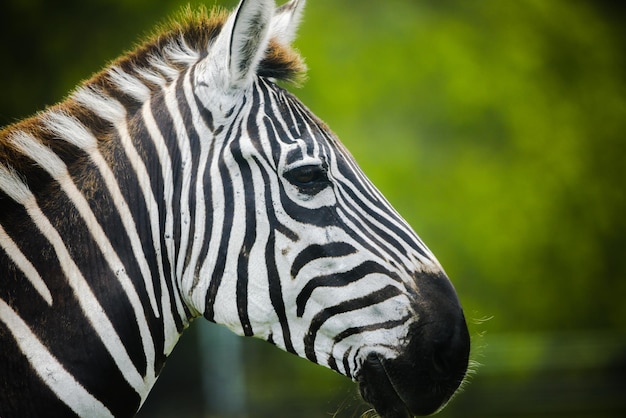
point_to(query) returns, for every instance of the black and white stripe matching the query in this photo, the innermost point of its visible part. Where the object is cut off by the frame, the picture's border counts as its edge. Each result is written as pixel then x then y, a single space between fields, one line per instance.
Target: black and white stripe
pixel 183 182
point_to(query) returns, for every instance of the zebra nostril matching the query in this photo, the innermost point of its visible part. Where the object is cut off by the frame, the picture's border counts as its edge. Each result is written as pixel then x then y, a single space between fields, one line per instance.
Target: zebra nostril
pixel 440 361
pixel 450 351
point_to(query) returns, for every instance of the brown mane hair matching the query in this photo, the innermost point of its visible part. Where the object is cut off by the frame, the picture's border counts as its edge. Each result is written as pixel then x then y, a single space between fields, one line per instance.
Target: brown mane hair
pixel 189 30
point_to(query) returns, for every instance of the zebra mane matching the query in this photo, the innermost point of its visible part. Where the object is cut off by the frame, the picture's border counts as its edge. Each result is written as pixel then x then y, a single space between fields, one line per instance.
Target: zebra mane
pixel 172 47
pixel 186 37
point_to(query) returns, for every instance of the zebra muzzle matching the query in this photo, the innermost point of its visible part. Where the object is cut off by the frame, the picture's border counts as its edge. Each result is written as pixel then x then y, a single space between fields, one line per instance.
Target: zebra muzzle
pixel 427 372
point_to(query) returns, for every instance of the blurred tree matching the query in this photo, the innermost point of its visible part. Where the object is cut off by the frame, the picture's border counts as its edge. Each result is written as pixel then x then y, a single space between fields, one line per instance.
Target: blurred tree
pixel 506 121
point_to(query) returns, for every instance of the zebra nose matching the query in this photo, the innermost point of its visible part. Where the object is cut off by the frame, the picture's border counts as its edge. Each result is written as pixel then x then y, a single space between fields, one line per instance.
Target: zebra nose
pixel 429 368
pixel 428 373
pixel 451 352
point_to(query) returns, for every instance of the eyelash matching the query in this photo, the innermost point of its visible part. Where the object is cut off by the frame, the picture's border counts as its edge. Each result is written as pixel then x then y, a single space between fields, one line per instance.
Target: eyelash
pixel 309 179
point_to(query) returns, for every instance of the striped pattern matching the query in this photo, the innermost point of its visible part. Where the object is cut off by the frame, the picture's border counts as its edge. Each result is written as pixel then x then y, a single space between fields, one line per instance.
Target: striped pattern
pixel 169 187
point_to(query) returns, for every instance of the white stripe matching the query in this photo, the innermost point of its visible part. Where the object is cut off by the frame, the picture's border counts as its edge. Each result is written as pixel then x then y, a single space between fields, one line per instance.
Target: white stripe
pixel 129 85
pixel 166 169
pixel 48 368
pixel 171 335
pixel 29 271
pixel 200 286
pixel 88 302
pixel 406 257
pixel 12 184
pixel 428 263
pixel 169 325
pixel 180 52
pixel 189 275
pixel 112 110
pixel 225 308
pixel 115 113
pixel 99 103
pixel 184 148
pixel 51 162
pixel 168 73
pixel 151 75
pixel 74 132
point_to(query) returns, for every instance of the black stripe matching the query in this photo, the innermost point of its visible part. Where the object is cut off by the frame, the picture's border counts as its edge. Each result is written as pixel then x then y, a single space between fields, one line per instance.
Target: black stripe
pixel 166 126
pixel 63 327
pixel 317 251
pixel 371 299
pixel 346 363
pixel 276 293
pixel 205 113
pixel 243 273
pixel 275 288
pixel 194 146
pixel 128 182
pixel 373 327
pixel 208 224
pixel 348 168
pixel 311 130
pixel 229 200
pixel 277 136
pixel 397 233
pixel 218 270
pixel 146 147
pixel 359 330
pixel 339 280
pixel 19 382
pixel 323 217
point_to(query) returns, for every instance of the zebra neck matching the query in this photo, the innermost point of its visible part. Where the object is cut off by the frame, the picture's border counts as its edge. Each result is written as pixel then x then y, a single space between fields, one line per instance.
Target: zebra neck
pixel 76 202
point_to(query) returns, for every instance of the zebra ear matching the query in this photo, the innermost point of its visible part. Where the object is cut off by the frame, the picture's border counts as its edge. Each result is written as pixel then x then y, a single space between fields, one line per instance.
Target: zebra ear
pixel 249 38
pixel 286 21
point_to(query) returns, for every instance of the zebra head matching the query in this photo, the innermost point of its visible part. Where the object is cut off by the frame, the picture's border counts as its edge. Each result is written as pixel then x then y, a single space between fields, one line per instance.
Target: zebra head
pixel 303 250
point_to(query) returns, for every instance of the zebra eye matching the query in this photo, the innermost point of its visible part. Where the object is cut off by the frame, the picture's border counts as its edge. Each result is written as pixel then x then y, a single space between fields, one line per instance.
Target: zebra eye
pixel 309 179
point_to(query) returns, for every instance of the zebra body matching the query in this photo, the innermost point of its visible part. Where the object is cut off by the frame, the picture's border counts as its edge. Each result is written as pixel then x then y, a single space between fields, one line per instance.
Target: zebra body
pixel 182 182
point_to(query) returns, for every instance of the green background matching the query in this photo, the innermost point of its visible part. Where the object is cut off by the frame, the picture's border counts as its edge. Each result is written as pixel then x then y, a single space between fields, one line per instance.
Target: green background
pixel 495 127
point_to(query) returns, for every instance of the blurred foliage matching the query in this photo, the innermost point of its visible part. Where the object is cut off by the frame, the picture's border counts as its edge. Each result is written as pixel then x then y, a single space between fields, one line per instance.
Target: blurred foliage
pixel 503 129
pixel 495 127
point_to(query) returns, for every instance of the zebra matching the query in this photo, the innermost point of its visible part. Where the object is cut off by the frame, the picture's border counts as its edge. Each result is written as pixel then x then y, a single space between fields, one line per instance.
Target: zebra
pixel 182 181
